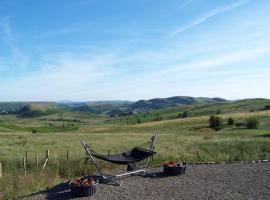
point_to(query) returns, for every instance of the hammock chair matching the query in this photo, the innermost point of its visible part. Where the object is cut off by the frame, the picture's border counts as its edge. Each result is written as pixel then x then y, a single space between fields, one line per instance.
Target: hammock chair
pixel 134 155
pixel 129 158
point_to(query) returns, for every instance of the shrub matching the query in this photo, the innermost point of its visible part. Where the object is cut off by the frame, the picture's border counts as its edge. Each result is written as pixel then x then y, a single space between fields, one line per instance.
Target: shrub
pixel 157 117
pixel 34 131
pixel 218 111
pixel 215 122
pixel 179 115
pixel 185 114
pixel 138 121
pixel 230 121
pixel 240 124
pixel 252 123
pixel 267 107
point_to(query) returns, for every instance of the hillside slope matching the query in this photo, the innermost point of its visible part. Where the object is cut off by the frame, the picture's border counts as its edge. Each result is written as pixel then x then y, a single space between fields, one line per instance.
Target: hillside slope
pixel 240 106
pixel 160 103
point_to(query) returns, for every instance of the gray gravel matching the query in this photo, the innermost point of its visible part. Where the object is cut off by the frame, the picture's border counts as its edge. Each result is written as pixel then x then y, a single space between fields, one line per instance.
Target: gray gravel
pixel 213 181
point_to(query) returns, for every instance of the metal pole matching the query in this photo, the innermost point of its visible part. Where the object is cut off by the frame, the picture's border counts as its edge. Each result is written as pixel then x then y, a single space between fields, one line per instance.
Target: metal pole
pixel 152 145
pixel 132 172
pixel 91 158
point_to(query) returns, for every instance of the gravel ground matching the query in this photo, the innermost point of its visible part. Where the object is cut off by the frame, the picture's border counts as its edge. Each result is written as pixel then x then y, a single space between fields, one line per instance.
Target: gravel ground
pixel 212 181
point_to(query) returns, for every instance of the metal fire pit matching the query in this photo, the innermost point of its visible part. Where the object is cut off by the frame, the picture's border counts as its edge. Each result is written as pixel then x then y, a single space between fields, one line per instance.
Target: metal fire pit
pixel 174 170
pixel 83 190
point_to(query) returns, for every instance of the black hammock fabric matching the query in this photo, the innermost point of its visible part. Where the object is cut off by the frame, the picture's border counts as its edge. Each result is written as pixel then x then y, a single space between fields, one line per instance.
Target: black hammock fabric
pixel 134 155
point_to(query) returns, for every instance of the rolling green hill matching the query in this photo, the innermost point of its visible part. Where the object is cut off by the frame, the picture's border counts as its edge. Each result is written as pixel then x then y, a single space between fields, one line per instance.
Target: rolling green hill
pixel 160 103
pixel 39 109
pixel 245 105
pixel 145 110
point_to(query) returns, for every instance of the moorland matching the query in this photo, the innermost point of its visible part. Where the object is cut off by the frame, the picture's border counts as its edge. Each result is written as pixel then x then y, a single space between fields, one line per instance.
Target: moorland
pixel 181 123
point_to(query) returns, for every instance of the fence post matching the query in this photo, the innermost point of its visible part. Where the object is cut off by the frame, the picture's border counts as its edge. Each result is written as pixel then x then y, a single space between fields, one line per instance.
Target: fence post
pixel 47 154
pixel 37 160
pixel 24 165
pixel 197 152
pixel 26 156
pixel 67 154
pixel 1 175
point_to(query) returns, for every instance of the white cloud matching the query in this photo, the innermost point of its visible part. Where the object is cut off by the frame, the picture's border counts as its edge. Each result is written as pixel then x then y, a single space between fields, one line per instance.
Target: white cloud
pixel 99 76
pixel 176 72
pixel 64 78
pixel 18 58
pixel 183 78
pixel 207 16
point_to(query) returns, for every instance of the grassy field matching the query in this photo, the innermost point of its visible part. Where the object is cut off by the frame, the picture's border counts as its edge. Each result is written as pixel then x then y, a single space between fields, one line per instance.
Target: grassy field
pixel 178 139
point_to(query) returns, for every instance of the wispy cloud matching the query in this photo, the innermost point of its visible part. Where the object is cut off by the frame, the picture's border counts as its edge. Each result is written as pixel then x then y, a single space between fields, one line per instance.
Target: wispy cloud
pixel 187 2
pixel 62 76
pixel 68 30
pixel 18 57
pixel 184 70
pixel 207 16
pixel 99 76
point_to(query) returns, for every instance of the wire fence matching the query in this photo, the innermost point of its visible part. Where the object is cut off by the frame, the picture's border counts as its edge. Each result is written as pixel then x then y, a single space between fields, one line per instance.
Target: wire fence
pixel 31 163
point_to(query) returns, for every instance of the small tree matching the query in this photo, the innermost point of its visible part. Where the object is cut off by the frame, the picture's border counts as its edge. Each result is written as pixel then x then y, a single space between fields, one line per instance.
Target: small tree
pixel 230 121
pixel 252 123
pixel 157 117
pixel 179 115
pixel 138 121
pixel 215 122
pixel 185 114
pixel 218 111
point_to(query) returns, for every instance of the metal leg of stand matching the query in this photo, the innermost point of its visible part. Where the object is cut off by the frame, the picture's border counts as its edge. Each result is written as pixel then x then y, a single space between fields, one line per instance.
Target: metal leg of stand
pixel 152 146
pixel 91 159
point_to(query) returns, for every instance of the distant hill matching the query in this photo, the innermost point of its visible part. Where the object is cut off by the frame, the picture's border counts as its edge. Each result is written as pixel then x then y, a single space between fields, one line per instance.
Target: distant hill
pixel 171 106
pixel 97 107
pixel 39 109
pixel 194 110
pixel 159 103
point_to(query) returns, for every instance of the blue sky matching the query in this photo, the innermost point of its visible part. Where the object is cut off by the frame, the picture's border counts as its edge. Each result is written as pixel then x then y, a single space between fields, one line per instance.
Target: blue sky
pixel 133 49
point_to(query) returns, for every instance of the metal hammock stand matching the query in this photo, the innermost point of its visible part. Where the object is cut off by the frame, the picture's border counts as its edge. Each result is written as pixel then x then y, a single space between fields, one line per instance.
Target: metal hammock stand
pixel 129 158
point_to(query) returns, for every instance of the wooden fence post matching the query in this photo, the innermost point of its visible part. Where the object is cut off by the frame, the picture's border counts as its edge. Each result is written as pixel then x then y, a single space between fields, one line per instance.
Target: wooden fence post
pixel 47 154
pixel 198 155
pixel 37 160
pixel 197 152
pixel 1 175
pixel 24 165
pixel 47 158
pixel 67 154
pixel 26 156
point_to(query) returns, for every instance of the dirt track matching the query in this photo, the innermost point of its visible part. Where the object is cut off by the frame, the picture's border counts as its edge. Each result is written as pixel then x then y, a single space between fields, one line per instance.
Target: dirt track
pixel 216 181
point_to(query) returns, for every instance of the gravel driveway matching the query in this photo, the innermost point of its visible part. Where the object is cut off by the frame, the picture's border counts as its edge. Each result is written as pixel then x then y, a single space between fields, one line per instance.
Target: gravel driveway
pixel 212 181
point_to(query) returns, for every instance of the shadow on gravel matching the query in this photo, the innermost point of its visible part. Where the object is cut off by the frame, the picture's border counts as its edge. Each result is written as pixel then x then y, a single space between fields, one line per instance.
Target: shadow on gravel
pixel 157 175
pixel 60 191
